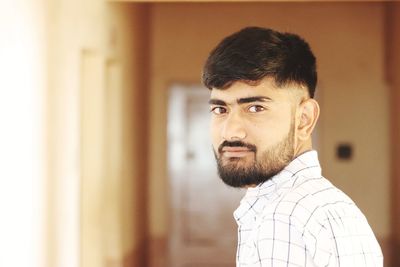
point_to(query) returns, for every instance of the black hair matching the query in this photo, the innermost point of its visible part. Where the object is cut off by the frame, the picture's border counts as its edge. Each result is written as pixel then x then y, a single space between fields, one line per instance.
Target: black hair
pixel 253 53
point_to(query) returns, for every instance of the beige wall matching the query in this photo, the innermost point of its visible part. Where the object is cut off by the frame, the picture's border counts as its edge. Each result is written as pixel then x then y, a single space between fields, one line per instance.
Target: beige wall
pixel 393 60
pixel 72 28
pixel 348 40
pixel 96 134
pixel 130 40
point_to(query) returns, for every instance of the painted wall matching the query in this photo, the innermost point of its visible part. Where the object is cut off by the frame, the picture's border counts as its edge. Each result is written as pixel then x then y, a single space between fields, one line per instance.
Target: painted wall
pixel 96 134
pixel 72 28
pixel 348 40
pixel 128 164
pixel 393 60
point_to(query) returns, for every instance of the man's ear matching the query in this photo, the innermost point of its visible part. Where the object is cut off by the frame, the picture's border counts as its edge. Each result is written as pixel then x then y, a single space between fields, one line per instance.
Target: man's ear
pixel 308 116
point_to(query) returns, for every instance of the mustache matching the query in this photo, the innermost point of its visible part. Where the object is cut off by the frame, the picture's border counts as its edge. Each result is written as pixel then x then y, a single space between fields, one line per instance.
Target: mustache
pixel 251 147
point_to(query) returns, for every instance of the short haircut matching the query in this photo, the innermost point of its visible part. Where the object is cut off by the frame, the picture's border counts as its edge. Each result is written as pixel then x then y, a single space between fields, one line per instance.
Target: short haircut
pixel 253 53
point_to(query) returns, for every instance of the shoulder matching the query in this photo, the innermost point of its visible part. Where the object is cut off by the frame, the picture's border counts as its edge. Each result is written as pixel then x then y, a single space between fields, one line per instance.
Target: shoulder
pixel 324 219
pixel 310 203
pixel 305 198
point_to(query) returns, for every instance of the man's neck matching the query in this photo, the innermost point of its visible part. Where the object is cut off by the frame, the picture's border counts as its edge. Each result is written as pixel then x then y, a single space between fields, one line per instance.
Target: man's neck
pixel 303 147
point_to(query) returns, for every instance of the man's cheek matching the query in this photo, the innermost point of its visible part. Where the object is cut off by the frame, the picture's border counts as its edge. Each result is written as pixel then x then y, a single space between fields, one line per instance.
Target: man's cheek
pixel 215 139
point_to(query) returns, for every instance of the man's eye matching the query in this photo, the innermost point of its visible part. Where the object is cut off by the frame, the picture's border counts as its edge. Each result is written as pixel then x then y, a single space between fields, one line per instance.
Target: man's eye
pixel 218 110
pixel 256 108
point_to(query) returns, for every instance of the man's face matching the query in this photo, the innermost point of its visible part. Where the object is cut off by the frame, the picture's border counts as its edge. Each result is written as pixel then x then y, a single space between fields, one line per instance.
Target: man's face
pixel 253 131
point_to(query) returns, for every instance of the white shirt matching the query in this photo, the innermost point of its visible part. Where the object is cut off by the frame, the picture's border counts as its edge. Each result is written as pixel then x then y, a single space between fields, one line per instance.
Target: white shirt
pixel 298 218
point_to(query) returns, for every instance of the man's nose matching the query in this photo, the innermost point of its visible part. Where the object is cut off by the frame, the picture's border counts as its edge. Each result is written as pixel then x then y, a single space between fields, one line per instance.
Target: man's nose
pixel 233 128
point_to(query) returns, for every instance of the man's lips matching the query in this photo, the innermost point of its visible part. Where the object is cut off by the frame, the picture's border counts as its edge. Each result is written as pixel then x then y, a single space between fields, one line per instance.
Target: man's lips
pixel 235 152
pixel 235 148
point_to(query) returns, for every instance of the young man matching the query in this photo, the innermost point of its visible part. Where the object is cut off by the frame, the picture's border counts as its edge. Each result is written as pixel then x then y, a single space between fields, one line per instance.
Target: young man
pixel 262 86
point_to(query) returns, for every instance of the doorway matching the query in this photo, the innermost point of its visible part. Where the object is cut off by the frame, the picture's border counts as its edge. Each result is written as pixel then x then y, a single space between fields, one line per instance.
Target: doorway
pixel 203 231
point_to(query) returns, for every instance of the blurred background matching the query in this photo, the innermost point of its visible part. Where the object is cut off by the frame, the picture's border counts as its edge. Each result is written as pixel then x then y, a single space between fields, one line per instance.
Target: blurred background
pixel 104 153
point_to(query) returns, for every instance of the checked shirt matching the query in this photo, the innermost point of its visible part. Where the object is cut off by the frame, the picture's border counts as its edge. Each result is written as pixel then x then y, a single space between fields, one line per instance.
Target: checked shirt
pixel 298 218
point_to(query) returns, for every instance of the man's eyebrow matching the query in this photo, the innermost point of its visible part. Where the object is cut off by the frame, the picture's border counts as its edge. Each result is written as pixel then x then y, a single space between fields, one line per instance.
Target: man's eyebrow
pixel 240 101
pixel 253 99
pixel 218 102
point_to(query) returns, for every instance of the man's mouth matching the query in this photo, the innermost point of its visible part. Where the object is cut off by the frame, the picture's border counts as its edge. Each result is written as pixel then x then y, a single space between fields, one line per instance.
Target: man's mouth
pixel 235 152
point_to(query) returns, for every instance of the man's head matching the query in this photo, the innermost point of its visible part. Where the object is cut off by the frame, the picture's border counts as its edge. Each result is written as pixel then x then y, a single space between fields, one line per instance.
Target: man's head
pixel 262 86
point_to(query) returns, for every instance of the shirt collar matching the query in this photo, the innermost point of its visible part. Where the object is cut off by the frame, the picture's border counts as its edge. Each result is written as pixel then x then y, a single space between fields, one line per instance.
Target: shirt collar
pixel 303 162
pixel 269 190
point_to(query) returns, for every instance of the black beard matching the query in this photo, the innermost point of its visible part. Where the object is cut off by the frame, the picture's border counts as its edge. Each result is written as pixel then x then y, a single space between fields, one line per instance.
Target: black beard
pixel 241 177
pixel 271 163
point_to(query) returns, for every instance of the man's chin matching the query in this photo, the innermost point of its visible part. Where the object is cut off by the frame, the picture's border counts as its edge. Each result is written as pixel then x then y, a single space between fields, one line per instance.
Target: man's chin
pixel 244 174
pixel 239 179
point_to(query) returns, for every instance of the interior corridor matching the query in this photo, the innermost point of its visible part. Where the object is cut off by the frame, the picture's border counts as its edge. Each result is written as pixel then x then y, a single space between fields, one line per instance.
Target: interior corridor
pixel 123 174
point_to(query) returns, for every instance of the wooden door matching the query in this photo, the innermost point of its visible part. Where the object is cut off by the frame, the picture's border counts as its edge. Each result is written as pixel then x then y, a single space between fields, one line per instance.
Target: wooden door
pixel 203 230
